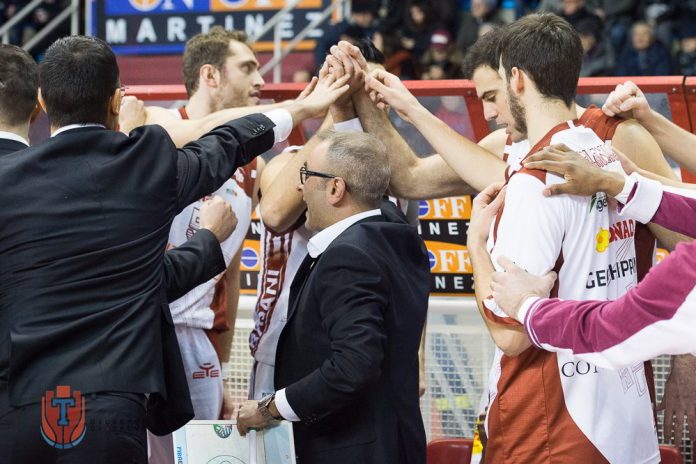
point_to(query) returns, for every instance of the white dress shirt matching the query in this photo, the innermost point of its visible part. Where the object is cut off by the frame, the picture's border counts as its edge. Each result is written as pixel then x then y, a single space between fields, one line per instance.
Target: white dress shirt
pixel 13 136
pixel 316 246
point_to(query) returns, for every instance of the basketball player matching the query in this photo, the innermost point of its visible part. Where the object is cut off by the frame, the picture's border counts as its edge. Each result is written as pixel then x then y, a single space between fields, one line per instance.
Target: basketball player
pixel 553 405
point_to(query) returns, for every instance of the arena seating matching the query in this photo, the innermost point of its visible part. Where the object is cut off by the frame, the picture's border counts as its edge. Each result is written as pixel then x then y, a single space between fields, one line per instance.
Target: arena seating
pixel 450 451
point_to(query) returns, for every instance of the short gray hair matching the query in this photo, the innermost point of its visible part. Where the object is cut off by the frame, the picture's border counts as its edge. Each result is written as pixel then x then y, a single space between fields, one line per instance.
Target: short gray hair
pixel 361 160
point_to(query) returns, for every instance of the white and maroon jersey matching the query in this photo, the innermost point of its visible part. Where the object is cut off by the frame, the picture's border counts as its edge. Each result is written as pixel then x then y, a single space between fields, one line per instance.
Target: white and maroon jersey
pixel 657 317
pixel 282 255
pixel 513 154
pixel 548 407
pixel 204 307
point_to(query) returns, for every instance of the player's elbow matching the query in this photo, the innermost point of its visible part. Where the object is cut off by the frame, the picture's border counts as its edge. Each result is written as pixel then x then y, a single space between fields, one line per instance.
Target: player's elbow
pixel 512 343
pixel 275 218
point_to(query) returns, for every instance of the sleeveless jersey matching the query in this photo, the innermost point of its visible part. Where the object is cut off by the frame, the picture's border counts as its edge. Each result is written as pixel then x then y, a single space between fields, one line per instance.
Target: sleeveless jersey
pixel 205 306
pixel 547 407
pixel 282 255
pixel 199 307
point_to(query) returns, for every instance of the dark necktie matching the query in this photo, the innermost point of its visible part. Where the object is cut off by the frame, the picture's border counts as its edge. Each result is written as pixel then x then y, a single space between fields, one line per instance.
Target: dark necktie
pixel 300 280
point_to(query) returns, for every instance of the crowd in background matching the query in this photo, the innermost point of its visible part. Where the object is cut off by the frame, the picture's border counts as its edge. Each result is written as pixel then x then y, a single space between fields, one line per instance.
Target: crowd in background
pixel 428 39
pixel 34 22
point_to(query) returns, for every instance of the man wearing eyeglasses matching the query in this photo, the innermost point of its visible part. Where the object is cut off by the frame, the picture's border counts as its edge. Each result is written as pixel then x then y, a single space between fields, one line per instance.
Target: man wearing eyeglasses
pixel 346 367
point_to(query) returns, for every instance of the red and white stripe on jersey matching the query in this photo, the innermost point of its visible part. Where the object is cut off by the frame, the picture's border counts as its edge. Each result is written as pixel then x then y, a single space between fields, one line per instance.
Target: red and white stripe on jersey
pixel 282 255
pixel 549 407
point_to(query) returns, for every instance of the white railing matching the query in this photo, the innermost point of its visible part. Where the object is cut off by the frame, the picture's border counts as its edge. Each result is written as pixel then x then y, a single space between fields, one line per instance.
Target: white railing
pixel 280 52
pixel 73 11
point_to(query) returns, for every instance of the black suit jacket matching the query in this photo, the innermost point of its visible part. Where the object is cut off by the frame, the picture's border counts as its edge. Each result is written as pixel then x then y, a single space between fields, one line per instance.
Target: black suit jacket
pixel 192 263
pixel 185 267
pixel 86 215
pixel 348 355
pixel 10 146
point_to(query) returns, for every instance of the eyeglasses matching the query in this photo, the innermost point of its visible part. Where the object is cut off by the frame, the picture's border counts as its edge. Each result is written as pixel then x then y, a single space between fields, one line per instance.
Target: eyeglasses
pixel 305 173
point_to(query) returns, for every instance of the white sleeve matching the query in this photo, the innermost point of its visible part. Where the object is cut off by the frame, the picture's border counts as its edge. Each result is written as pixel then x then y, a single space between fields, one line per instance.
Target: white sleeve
pixel 640 198
pixel 284 407
pixel 530 231
pixel 283 123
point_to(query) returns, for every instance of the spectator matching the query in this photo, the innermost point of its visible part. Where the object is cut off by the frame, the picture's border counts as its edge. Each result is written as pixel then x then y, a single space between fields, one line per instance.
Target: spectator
pixel 482 11
pixel 597 59
pixel 686 58
pixel 418 27
pixel 618 15
pixel 442 60
pixel 7 11
pixel 660 15
pixel 576 11
pixel 404 49
pixel 645 56
pixel 362 18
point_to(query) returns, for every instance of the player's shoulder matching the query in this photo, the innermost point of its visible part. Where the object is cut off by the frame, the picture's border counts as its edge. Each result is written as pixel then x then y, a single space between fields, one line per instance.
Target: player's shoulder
pixel 604 126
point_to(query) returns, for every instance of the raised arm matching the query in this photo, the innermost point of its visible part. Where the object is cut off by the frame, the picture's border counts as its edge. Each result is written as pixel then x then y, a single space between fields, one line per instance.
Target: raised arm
pixel 204 164
pixel 475 165
pixel 642 198
pixel 656 317
pixel 507 335
pixel 184 131
pixel 628 101
pixel 636 143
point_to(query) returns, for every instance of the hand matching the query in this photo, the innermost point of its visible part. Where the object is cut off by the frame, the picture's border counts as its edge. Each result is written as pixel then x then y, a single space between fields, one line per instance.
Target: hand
pixel 679 400
pixel 385 88
pixel 132 114
pixel 217 216
pixel 327 89
pixel 227 411
pixel 485 207
pixel 513 286
pixel 627 101
pixel 248 416
pixel 309 89
pixel 346 60
pixel 581 176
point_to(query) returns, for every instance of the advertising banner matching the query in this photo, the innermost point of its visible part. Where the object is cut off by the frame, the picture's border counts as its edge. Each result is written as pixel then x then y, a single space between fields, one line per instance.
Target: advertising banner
pixel 147 27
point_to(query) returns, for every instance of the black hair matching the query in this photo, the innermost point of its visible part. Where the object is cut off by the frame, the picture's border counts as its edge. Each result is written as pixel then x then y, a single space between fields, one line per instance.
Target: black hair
pixel 548 50
pixel 78 76
pixel 19 83
pixel 482 53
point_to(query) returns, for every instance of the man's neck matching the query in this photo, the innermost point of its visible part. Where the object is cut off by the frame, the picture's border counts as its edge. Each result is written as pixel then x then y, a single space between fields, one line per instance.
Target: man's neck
pixel 198 106
pixel 347 212
pixel 544 116
pixel 22 131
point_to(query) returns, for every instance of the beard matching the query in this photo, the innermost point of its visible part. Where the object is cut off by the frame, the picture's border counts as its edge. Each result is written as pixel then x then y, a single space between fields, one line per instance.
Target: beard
pixel 517 111
pixel 231 97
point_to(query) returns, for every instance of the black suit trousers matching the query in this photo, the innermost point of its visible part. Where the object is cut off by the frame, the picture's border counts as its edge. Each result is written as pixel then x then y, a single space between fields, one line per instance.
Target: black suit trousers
pixel 114 433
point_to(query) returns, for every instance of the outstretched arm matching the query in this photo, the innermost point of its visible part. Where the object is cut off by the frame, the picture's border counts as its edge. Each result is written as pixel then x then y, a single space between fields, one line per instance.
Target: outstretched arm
pixel 656 317
pixel 459 153
pixel 628 101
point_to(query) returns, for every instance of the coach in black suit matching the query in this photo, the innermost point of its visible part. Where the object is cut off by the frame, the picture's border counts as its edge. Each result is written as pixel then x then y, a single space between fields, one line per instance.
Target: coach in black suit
pixel 185 267
pixel 85 220
pixel 347 359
